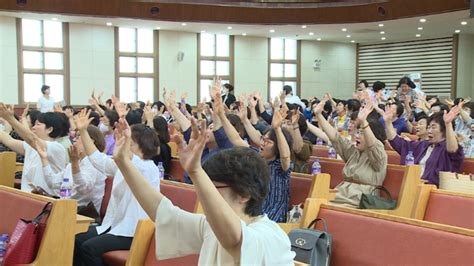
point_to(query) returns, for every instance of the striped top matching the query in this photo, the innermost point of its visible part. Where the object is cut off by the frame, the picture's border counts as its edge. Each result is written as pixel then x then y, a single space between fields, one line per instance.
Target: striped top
pixel 276 203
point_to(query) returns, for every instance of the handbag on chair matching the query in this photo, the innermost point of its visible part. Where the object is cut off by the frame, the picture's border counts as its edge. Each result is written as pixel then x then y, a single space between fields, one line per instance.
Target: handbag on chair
pixel 372 201
pixel 26 239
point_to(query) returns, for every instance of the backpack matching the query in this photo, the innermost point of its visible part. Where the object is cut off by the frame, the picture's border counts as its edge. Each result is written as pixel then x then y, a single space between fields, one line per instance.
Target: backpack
pixel 311 246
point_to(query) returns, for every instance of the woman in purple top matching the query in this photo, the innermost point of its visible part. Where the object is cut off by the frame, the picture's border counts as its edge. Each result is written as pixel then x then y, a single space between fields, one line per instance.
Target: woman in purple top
pixel 440 152
pixel 107 126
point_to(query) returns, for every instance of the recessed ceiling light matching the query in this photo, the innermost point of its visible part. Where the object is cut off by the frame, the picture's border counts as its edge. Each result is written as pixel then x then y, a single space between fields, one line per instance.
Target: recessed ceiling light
pixel 318 39
pixel 422 20
pixel 344 29
pixel 418 35
pixel 463 23
pixel 244 34
pixel 183 24
pixel 383 38
pixel 229 28
pixel 54 19
pixel 420 28
pixel 203 31
pixel 352 41
pixel 272 31
pixel 108 23
pixel 382 32
pixel 304 26
pixel 457 31
pixel 158 28
pixel 311 33
pixel 380 25
pixel 348 36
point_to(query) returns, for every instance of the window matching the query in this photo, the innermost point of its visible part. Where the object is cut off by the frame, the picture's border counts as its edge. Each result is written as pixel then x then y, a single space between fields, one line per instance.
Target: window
pixel 283 65
pixel 215 59
pixel 136 64
pixel 43 59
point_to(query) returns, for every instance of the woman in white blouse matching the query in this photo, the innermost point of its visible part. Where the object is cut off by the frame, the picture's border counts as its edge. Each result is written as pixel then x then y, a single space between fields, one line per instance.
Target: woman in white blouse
pixel 123 212
pixel 89 183
pixel 231 186
pixel 45 102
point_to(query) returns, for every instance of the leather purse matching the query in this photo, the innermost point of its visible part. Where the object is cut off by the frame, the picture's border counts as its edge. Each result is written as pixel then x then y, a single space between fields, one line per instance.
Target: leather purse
pixel 26 238
pixel 372 201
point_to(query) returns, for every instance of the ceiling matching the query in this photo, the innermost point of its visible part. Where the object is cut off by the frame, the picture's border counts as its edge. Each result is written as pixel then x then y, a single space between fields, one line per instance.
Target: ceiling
pixel 394 30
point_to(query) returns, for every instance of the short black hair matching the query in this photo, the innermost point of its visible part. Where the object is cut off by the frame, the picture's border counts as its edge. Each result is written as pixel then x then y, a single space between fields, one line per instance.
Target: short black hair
pixel 407 81
pixel 65 125
pixel 236 122
pixel 400 108
pixel 378 85
pixel 303 127
pixel 161 127
pixel 33 114
pixel 353 105
pixel 113 117
pixel 44 88
pixel 442 106
pixel 70 107
pixel 158 105
pixel 366 84
pixel 133 117
pixel 229 87
pixel 421 115
pixel 52 120
pixel 438 118
pixel 306 102
pixel 378 129
pixel 245 171
pixel 96 118
pixel 272 136
pixel 287 89
pixel 147 140
pixel 141 104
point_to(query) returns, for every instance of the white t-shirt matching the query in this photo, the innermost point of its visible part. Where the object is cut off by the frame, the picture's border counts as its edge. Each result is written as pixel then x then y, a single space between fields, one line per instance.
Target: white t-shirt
pixel 180 233
pixel 45 105
pixel 33 168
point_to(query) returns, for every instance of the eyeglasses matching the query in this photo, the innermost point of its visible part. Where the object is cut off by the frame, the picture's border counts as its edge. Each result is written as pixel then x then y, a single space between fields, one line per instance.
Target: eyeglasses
pixel 222 186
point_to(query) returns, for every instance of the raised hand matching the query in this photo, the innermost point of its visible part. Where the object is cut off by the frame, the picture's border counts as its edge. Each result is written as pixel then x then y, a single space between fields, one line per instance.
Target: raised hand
pixel 122 128
pixel 242 112
pixel 25 111
pixel 318 109
pixel 389 114
pixel 121 109
pixel 6 111
pixel 282 98
pixel 147 113
pixel 365 111
pixel 252 100
pixel 73 152
pixel 190 155
pixel 122 146
pixel 295 117
pixel 277 120
pixel 82 119
pixel 448 117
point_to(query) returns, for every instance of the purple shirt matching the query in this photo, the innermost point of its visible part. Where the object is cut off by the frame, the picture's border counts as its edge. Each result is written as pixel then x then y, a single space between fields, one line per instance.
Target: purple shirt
pixel 439 160
pixel 109 144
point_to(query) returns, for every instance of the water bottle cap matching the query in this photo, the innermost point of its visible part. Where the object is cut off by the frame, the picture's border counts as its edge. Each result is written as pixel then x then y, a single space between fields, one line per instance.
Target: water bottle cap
pixel 160 163
pixel 3 237
pixel 66 179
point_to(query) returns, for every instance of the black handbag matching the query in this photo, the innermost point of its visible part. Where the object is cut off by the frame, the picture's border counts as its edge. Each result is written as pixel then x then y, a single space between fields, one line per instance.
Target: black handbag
pixel 311 246
pixel 372 201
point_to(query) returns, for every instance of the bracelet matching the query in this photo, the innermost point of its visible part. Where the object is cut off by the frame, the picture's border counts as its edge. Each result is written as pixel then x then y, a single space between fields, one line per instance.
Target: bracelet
pixel 296 127
pixel 364 127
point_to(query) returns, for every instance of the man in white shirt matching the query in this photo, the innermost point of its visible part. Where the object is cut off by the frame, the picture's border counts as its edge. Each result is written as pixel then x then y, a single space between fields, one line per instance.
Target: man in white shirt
pixel 290 98
pixel 45 102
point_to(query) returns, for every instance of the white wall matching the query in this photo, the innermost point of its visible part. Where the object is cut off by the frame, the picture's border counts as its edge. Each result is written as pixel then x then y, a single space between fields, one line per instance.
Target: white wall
pixel 91 61
pixel 250 65
pixel 338 69
pixel 179 76
pixel 465 67
pixel 8 61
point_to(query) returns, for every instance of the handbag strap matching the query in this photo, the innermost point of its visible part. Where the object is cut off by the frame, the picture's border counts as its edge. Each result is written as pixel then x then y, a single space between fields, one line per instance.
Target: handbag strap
pixel 382 188
pixel 325 226
pixel 44 213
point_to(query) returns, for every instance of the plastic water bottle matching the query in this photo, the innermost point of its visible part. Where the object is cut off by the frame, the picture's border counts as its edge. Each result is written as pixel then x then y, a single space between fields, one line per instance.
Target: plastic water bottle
pixel 3 247
pixel 161 170
pixel 316 167
pixel 332 152
pixel 65 191
pixel 410 159
pixel 319 141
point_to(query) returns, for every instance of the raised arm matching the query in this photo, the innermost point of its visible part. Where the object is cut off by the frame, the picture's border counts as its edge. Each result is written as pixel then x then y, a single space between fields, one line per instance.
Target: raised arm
pixel 283 147
pixel 317 132
pixel 451 141
pixel 329 130
pixel 369 136
pixel 295 132
pixel 14 144
pixel 179 117
pixel 82 121
pixel 254 135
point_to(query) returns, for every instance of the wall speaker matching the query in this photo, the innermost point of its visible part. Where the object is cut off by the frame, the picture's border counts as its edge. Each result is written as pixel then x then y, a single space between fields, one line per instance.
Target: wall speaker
pixel 180 56
pixel 154 10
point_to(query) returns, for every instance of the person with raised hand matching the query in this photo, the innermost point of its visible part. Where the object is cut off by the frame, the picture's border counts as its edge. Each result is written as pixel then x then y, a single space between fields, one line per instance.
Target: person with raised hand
pixel 365 157
pixel 440 152
pixel 46 129
pixel 123 212
pixel 231 186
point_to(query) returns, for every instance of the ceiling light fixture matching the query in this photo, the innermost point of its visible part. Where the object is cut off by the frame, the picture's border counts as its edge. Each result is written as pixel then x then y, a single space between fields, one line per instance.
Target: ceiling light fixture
pixel 420 28
pixel 382 32
pixel 229 28
pixel 304 26
pixel 311 33
pixel 318 39
pixel 380 25
pixel 383 38
pixel 272 31
pixel 352 41
pixel 183 24
pixel 344 29
pixel 203 31
pixel 418 35
pixel 422 20
pixel 348 36
pixel 108 24
pixel 244 34
pixel 54 19
pixel 457 31
pixel 158 28
pixel 463 23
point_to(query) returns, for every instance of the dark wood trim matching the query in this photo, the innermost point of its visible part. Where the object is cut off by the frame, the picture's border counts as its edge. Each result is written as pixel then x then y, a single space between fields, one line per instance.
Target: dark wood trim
pixel 298 68
pixel 198 73
pixel 269 75
pixel 231 63
pixel 117 62
pixel 357 68
pixel 156 49
pixel 66 64
pixel 233 13
pixel 19 40
pixel 454 71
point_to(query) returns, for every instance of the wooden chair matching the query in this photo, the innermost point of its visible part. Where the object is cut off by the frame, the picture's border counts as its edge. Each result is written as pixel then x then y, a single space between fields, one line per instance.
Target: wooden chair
pixel 320 151
pixel 393 157
pixel 57 245
pixel 7 166
pixel 177 171
pixel 174 149
pixel 467 166
pixel 444 207
pixel 367 238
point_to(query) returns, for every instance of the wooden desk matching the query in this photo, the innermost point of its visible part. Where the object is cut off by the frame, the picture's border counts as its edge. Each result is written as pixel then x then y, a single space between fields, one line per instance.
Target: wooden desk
pixel 82 223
